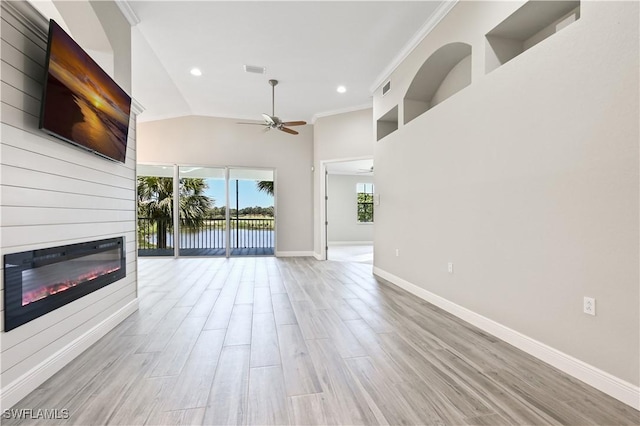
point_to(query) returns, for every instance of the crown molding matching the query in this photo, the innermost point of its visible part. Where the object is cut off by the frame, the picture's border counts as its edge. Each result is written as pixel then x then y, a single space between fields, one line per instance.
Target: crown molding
pixel 136 107
pixel 437 16
pixel 340 111
pixel 29 16
pixel 127 11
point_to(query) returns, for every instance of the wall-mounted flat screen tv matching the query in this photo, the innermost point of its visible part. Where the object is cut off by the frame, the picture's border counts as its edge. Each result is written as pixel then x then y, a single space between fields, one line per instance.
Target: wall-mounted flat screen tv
pixel 81 104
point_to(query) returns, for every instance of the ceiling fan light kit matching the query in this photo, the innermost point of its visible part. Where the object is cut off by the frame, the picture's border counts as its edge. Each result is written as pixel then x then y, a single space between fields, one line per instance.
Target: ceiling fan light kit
pixel 273 122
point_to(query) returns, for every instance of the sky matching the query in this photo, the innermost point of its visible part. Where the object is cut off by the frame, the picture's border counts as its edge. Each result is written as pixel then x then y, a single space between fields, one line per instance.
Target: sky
pixel 249 196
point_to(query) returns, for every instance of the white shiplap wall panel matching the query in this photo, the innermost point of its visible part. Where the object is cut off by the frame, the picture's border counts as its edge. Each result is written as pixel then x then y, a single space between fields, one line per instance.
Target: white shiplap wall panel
pixel 31 31
pixel 30 64
pixel 53 193
pixel 34 51
pixel 41 354
pixel 26 177
pixel 27 159
pixel 90 167
pixel 29 216
pixel 20 196
pixel 17 117
pixel 20 236
pixel 75 163
pixel 14 77
pixel 63 241
pixel 12 340
pixel 131 155
pixel 16 48
pixel 17 98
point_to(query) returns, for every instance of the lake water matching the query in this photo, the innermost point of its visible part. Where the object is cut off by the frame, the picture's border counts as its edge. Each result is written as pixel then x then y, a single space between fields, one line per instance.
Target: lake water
pixel 246 238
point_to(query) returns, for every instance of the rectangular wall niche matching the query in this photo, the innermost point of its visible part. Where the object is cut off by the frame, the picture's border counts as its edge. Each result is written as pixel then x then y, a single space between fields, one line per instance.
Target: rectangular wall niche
pixel 388 123
pixel 39 281
pixel 526 27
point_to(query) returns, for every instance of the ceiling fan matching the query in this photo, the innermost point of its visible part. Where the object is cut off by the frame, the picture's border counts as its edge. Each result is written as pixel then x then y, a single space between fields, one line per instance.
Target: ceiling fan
pixel 273 122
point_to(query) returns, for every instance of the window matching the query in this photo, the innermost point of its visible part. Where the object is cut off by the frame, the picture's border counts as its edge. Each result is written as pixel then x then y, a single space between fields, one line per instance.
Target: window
pixel 365 202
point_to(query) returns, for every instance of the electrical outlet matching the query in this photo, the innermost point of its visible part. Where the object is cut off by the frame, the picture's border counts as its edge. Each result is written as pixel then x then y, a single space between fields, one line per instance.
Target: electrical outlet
pixel 450 267
pixel 397 252
pixel 589 306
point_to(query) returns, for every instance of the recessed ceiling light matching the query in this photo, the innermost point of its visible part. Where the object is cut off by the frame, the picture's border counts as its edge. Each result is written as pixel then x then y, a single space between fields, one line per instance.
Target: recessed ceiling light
pixel 196 72
pixel 341 89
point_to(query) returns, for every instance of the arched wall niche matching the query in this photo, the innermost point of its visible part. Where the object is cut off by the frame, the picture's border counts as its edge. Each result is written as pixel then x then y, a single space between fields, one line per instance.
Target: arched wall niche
pixel 444 73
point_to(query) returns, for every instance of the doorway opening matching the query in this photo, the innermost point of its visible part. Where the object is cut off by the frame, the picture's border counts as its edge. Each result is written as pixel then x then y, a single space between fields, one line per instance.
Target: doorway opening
pixel 349 210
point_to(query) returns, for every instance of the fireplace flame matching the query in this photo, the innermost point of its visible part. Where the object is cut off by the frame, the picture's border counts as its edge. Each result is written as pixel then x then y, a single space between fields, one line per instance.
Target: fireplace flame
pixel 51 289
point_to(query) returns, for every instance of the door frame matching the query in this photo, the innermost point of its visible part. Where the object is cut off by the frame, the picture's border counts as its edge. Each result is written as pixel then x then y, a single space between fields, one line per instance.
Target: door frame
pixel 275 205
pixel 324 188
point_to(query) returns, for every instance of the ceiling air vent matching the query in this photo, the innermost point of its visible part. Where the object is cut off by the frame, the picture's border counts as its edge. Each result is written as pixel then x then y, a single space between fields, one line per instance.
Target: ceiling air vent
pixel 386 87
pixel 254 69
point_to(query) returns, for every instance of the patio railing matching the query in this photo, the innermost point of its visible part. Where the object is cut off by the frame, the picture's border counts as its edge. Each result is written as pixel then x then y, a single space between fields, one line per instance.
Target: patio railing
pixel 155 236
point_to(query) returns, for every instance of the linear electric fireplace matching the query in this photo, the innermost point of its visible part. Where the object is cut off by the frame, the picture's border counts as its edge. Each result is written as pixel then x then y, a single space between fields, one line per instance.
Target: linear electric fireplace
pixel 39 281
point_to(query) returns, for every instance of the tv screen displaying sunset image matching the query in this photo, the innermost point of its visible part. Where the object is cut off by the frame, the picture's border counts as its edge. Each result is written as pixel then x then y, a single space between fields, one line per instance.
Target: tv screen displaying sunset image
pixel 81 103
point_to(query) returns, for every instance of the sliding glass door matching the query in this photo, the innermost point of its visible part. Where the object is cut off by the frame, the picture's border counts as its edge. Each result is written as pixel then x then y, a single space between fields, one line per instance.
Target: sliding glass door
pixel 251 212
pixel 222 211
pixel 202 199
pixel 155 210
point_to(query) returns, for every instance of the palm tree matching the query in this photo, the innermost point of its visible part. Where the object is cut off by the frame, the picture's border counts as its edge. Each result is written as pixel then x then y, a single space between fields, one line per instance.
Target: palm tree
pixel 155 202
pixel 265 186
pixel 194 205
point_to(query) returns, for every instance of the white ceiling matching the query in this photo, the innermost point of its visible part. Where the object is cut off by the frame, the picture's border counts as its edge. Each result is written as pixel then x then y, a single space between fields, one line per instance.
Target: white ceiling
pixel 311 47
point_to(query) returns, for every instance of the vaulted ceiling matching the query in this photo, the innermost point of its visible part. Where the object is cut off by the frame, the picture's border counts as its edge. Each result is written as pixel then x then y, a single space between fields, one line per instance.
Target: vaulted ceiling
pixel 311 47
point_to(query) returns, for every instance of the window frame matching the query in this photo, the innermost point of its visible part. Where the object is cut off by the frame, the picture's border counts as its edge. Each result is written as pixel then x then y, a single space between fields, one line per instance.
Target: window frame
pixel 365 207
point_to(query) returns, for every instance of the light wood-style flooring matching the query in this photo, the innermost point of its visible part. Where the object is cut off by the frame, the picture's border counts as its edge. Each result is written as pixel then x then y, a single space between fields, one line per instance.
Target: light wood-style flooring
pixel 362 253
pixel 296 341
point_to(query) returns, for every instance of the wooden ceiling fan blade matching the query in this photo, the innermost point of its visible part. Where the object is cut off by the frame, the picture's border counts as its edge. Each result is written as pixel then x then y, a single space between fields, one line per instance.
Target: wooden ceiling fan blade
pixel 294 123
pixel 284 129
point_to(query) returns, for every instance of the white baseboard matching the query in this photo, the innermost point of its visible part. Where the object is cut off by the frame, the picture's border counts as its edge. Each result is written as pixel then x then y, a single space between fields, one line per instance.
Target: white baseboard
pixel 318 256
pixel 25 384
pixel 294 254
pixel 593 376
pixel 350 243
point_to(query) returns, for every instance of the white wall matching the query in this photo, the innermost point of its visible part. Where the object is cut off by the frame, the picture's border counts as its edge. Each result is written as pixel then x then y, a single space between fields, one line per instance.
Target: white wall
pixel 341 136
pixel 342 210
pixel 209 141
pixel 52 193
pixel 528 181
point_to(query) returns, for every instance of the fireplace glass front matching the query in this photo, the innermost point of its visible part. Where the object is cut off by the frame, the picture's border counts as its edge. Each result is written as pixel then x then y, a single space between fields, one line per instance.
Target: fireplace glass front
pixel 39 281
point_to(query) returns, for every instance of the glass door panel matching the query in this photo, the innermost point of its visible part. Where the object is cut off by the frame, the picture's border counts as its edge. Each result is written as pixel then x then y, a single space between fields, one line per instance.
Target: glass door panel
pixel 251 212
pixel 155 210
pixel 202 211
